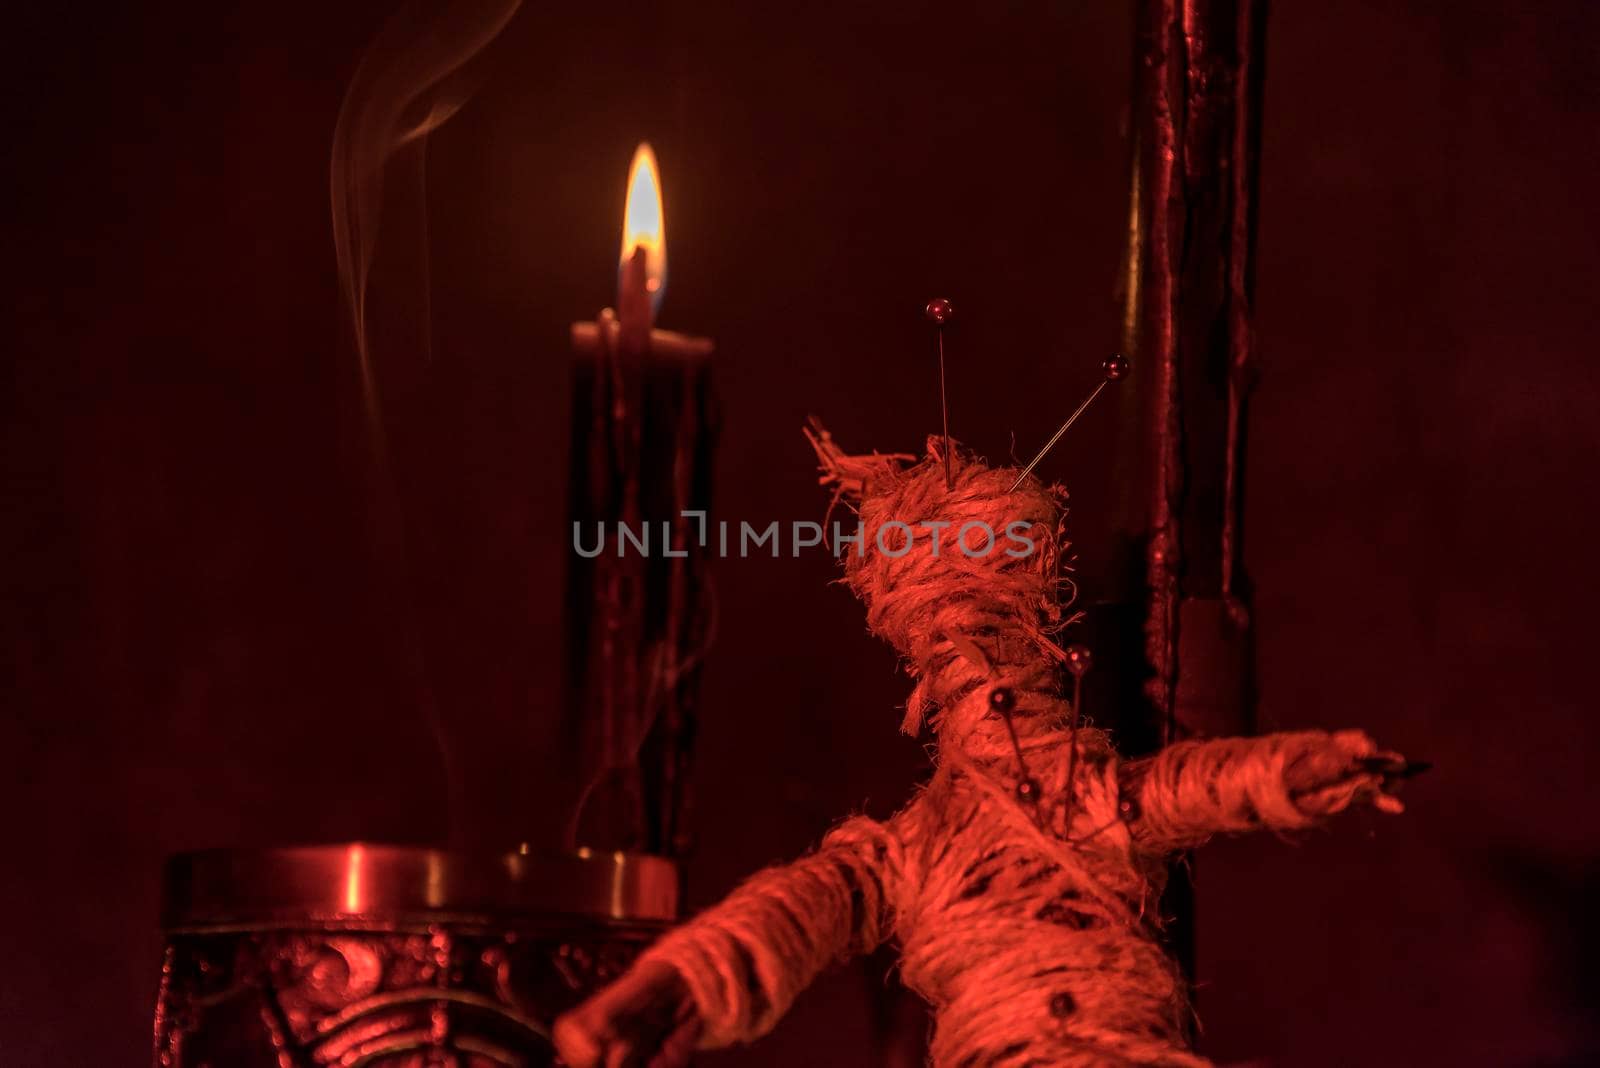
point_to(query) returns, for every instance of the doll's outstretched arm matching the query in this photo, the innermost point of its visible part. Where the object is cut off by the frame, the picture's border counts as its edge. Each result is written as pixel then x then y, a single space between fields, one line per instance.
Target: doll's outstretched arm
pixel 1192 790
pixel 730 974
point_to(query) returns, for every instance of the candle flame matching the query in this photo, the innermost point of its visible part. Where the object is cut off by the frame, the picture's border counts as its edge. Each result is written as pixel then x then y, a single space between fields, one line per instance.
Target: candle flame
pixel 354 897
pixel 644 224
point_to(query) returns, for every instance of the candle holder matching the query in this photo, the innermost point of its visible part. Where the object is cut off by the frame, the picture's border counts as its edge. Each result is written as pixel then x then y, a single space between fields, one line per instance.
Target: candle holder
pixel 390 956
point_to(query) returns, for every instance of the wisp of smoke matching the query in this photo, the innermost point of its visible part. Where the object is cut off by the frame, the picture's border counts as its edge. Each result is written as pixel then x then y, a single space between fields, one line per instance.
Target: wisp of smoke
pixel 404 88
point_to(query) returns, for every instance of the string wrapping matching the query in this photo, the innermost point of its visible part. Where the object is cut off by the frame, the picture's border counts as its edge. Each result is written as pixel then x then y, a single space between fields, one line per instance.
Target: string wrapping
pixel 1021 882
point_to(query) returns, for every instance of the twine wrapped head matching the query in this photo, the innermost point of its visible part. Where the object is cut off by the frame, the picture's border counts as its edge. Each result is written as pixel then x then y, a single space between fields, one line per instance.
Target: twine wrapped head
pixel 948 573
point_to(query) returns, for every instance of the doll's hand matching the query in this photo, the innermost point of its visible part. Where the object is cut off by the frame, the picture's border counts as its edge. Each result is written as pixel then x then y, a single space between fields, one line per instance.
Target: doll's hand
pixel 1340 769
pixel 646 1019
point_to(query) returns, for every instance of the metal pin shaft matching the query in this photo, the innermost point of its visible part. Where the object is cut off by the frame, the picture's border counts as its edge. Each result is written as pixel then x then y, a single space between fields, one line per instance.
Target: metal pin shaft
pixel 1116 369
pixel 1026 471
pixel 939 312
pixel 944 411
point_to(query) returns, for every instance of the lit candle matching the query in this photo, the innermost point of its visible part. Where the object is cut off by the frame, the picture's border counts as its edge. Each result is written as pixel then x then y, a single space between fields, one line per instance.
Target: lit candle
pixel 644 426
pixel 641 279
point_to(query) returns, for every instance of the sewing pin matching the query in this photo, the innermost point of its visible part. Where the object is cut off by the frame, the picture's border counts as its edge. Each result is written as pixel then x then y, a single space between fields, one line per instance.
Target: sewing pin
pixel 939 312
pixel 1115 368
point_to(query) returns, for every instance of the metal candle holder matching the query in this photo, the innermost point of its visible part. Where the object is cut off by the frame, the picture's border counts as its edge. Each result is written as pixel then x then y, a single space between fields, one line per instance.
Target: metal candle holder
pixel 389 956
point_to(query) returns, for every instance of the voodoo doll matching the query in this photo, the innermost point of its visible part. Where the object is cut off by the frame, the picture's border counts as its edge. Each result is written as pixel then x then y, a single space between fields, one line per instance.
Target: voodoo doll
pixel 1021 883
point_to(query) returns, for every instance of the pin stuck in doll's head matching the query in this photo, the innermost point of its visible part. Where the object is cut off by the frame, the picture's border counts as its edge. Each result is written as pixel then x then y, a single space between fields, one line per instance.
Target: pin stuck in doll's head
pixel 940 569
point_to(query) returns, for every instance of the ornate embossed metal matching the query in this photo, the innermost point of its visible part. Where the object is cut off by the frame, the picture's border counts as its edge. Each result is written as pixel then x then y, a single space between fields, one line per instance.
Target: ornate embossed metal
pixel 392 957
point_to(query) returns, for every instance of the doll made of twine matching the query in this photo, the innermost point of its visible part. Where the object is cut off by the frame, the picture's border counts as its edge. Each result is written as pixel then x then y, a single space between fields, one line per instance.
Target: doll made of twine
pixel 1020 884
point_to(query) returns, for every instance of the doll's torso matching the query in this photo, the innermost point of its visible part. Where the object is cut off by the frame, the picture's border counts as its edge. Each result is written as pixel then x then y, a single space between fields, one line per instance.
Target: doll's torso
pixel 1023 918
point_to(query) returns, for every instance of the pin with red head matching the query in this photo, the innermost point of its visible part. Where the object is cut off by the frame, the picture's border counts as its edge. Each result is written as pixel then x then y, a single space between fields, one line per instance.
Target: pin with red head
pixel 1116 369
pixel 940 312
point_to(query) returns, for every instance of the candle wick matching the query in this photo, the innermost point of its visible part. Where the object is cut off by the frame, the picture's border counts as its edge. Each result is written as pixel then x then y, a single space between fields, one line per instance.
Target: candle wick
pixel 634 309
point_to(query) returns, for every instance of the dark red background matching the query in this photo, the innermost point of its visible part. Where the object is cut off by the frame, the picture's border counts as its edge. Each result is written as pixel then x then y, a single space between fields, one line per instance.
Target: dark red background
pixel 200 640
